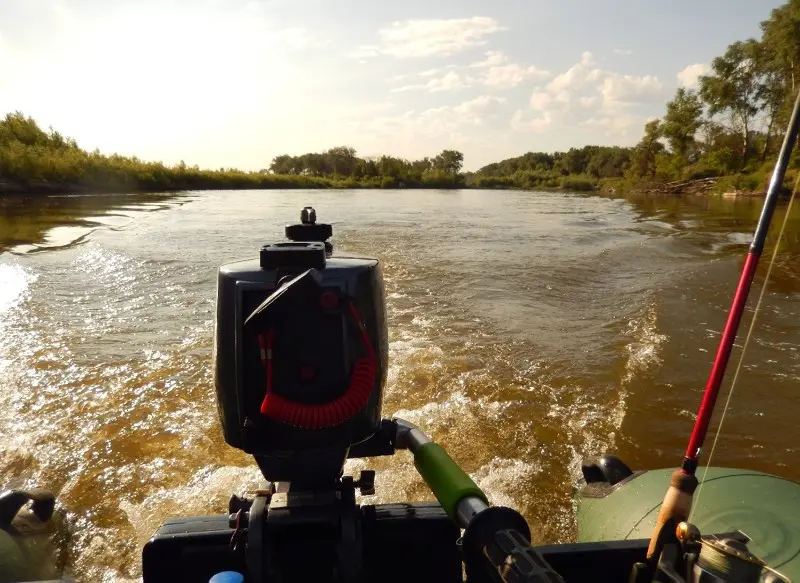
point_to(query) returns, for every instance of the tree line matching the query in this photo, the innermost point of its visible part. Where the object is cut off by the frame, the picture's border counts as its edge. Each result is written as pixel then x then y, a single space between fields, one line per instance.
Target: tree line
pixel 729 126
pixel 734 121
pixel 342 162
pixel 576 169
pixel 32 159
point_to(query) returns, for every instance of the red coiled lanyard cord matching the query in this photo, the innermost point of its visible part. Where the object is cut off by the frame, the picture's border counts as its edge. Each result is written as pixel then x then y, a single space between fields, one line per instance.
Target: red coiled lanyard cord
pixel 336 412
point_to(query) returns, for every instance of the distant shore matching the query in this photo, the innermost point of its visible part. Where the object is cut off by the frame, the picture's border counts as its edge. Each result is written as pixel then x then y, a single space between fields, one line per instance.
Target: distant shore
pixel 712 186
pixel 699 187
pixel 270 182
pixel 36 162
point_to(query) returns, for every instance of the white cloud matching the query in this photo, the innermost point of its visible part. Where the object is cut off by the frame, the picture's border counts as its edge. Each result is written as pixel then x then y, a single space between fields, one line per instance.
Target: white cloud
pixel 365 52
pixel 623 52
pixel 609 88
pixel 496 71
pixel 540 100
pixel 449 82
pixel 689 76
pixel 538 124
pixel 493 59
pixel 476 125
pixel 479 108
pixel 233 43
pixel 587 96
pixel 563 97
pixel 437 122
pixel 574 75
pixel 624 89
pixel 426 38
pixel 618 126
pixel 510 75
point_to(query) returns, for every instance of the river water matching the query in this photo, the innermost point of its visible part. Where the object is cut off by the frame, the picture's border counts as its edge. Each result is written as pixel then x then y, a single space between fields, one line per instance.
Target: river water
pixel 527 331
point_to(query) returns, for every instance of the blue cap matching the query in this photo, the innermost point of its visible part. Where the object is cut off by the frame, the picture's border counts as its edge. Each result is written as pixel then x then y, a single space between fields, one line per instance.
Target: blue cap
pixel 227 577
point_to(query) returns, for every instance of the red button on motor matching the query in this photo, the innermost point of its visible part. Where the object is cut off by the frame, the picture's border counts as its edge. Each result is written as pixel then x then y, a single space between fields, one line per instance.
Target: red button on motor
pixel 328 301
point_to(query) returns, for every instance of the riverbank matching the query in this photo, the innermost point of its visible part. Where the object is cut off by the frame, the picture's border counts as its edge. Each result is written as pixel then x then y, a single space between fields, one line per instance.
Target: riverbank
pixel 241 181
pixel 35 162
pixel 704 186
pixel 712 186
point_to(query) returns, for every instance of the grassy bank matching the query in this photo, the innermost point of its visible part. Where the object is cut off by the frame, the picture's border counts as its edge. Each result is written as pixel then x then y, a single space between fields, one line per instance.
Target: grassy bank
pixel 171 179
pixel 742 184
pixel 35 161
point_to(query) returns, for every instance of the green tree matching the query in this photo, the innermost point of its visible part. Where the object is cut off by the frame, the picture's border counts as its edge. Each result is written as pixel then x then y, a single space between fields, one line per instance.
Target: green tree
pixel 682 120
pixel 18 128
pixel 342 160
pixel 576 160
pixel 449 161
pixel 421 166
pixel 283 164
pixel 734 88
pixel 773 96
pixel 781 37
pixel 608 162
pixel 645 154
pixel 778 63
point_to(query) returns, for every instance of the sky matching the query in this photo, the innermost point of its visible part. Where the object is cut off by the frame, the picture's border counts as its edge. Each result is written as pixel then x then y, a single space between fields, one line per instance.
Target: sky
pixel 234 83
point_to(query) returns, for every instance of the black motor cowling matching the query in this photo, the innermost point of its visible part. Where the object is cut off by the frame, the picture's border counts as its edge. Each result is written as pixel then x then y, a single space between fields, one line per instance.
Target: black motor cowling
pixel 300 354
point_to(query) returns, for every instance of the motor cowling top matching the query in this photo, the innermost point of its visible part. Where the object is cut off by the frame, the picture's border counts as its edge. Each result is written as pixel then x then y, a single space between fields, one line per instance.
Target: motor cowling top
pixel 300 349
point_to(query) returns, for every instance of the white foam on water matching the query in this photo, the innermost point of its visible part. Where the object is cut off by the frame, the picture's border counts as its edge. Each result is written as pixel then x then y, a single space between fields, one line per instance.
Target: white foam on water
pixel 209 488
pixel 501 478
pixel 15 284
pixel 103 263
pixel 643 353
pixel 593 427
pixel 456 410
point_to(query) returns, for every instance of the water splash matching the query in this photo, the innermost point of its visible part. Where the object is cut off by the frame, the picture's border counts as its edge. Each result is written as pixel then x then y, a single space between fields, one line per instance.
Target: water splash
pixel 15 282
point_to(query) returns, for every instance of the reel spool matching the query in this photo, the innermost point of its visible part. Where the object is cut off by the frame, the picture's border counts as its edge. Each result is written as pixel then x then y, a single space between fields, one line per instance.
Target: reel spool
pixel 728 560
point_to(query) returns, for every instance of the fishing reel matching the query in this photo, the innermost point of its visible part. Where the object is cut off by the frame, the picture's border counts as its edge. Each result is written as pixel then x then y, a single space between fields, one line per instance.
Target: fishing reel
pixel 687 557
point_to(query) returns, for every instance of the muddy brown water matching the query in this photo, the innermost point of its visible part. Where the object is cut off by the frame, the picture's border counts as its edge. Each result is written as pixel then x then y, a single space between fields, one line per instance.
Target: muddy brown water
pixel 528 330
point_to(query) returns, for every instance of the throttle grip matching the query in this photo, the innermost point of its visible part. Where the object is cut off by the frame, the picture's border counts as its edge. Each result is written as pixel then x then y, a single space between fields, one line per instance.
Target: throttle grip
pixel 497 542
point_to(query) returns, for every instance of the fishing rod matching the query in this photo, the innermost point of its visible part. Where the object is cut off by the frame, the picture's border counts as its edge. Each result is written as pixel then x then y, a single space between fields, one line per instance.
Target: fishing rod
pixel 678 499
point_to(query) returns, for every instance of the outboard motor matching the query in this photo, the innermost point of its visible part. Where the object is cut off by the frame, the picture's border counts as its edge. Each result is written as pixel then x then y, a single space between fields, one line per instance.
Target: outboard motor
pixel 300 361
pixel 300 355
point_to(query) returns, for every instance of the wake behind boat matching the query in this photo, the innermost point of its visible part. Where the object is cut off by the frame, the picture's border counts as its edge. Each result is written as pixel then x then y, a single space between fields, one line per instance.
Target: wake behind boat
pixel 300 364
